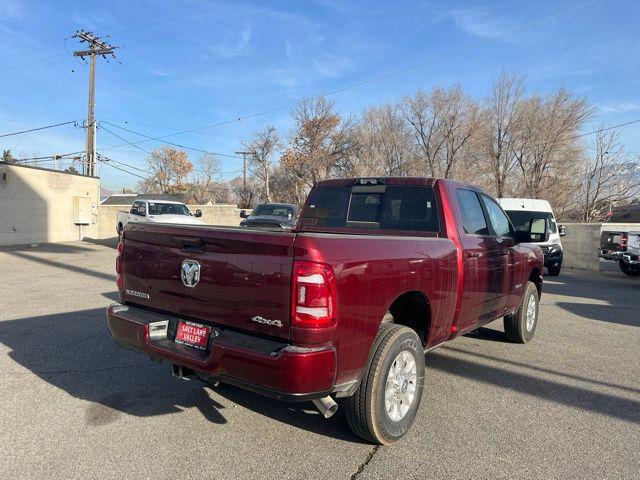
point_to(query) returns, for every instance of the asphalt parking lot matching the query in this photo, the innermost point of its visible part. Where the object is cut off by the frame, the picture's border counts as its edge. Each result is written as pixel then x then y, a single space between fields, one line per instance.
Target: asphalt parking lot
pixel 74 405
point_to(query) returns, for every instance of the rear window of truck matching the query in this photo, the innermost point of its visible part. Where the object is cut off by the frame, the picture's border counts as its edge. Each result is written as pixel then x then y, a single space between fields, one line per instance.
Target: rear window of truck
pixel 380 207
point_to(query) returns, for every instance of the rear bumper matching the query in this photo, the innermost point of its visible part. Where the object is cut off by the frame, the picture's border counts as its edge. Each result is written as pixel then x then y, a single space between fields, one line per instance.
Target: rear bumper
pixel 268 367
pixel 610 254
pixel 631 259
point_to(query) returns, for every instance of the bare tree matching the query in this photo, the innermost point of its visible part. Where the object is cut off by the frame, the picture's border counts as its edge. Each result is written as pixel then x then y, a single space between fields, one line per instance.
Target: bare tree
pixel 203 188
pixel 287 187
pixel 245 195
pixel 263 146
pixel 322 145
pixel 502 116
pixel 546 149
pixel 608 178
pixel 385 143
pixel 443 121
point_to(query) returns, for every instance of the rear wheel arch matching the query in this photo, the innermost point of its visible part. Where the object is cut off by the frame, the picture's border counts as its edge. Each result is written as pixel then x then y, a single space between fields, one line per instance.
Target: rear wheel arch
pixel 411 309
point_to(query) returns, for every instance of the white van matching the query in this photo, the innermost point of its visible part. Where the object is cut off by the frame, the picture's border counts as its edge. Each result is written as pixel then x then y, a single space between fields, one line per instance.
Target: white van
pixel 521 211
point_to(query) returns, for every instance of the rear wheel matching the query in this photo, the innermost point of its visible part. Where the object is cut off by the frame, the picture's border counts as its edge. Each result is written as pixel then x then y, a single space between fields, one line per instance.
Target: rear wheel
pixel 627 269
pixel 520 326
pixel 385 404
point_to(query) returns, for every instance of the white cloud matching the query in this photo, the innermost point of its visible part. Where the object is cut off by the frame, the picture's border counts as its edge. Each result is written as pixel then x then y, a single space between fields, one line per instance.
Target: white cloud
pixel 479 22
pixel 11 9
pixel 234 49
pixel 286 77
pixel 329 65
pixel 624 106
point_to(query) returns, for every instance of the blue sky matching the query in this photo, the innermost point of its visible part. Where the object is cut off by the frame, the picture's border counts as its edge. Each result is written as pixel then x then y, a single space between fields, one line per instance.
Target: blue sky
pixel 207 62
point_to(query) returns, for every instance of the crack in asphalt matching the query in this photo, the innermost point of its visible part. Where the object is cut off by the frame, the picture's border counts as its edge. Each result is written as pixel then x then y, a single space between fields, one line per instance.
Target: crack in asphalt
pixel 365 463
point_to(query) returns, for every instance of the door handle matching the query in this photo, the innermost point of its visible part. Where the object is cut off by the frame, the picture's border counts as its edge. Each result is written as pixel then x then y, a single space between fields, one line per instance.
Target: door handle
pixel 472 254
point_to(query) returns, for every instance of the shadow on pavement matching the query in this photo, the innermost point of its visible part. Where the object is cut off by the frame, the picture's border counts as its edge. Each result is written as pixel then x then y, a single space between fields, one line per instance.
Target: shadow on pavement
pixel 539 369
pixel 111 242
pixel 569 395
pixel 489 334
pixel 601 296
pixel 603 313
pixel 64 265
pixel 62 248
pixel 74 352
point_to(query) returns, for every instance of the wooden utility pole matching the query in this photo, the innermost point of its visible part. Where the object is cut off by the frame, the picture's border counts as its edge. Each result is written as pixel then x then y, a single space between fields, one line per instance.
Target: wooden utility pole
pixel 244 158
pixel 96 47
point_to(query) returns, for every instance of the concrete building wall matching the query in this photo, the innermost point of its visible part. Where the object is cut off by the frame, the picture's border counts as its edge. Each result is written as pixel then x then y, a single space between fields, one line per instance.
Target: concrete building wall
pixel 39 205
pixel 582 241
pixel 228 215
pixel 580 246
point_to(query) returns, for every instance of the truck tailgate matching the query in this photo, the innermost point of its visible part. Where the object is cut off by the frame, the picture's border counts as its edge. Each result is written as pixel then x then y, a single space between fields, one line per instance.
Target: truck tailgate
pixel 245 276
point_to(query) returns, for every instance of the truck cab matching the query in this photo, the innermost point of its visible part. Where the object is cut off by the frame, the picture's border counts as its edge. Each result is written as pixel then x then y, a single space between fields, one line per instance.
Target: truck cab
pixel 521 211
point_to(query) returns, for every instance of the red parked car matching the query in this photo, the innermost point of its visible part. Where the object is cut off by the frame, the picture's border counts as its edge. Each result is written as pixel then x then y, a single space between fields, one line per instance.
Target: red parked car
pixel 376 272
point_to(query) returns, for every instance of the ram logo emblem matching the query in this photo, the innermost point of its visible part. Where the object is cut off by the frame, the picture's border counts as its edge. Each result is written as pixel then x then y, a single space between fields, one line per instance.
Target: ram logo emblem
pixel 190 273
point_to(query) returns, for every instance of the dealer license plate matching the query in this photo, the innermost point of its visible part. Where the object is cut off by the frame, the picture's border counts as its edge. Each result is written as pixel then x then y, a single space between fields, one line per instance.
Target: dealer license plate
pixel 193 334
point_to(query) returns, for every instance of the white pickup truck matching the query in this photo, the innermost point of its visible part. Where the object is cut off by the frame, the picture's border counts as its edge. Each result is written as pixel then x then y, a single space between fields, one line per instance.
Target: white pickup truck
pixel 163 211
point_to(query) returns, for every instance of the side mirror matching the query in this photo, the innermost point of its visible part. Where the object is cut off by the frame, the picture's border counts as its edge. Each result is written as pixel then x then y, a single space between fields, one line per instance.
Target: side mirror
pixel 133 211
pixel 562 231
pixel 198 213
pixel 538 230
pixel 243 214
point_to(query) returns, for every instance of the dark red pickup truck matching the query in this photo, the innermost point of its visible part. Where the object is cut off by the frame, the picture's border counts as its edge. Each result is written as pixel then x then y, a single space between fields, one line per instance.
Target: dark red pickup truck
pixel 376 272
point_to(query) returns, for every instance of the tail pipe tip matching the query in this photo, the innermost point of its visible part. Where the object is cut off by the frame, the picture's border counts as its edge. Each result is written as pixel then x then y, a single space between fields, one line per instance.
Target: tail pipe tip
pixel 326 406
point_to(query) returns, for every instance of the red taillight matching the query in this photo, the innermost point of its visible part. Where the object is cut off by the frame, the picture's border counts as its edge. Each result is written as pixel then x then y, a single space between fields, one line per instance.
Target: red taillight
pixel 119 265
pixel 313 302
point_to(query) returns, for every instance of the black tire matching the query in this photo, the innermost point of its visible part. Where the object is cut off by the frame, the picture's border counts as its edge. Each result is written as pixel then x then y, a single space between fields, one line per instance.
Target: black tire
pixel 553 271
pixel 631 270
pixel 365 410
pixel 516 327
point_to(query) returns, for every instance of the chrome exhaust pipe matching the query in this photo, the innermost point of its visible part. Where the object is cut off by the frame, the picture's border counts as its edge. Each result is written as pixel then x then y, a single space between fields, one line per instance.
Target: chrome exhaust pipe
pixel 326 406
pixel 183 373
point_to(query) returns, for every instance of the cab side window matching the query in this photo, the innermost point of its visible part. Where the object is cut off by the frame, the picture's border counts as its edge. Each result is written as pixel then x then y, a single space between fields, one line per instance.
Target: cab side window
pixel 473 220
pixel 498 219
pixel 142 209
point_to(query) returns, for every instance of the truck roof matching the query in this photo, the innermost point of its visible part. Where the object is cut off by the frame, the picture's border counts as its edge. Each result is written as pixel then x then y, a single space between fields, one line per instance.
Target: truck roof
pixel 153 200
pixel 528 204
pixel 343 182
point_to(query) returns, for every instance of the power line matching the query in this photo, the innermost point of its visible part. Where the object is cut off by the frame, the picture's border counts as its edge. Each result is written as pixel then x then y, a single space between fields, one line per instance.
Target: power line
pixel 110 27
pixel 147 17
pixel 604 129
pixel 107 161
pixel 373 79
pixel 49 157
pixel 580 135
pixel 186 147
pixel 191 29
pixel 121 138
pixel 75 122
